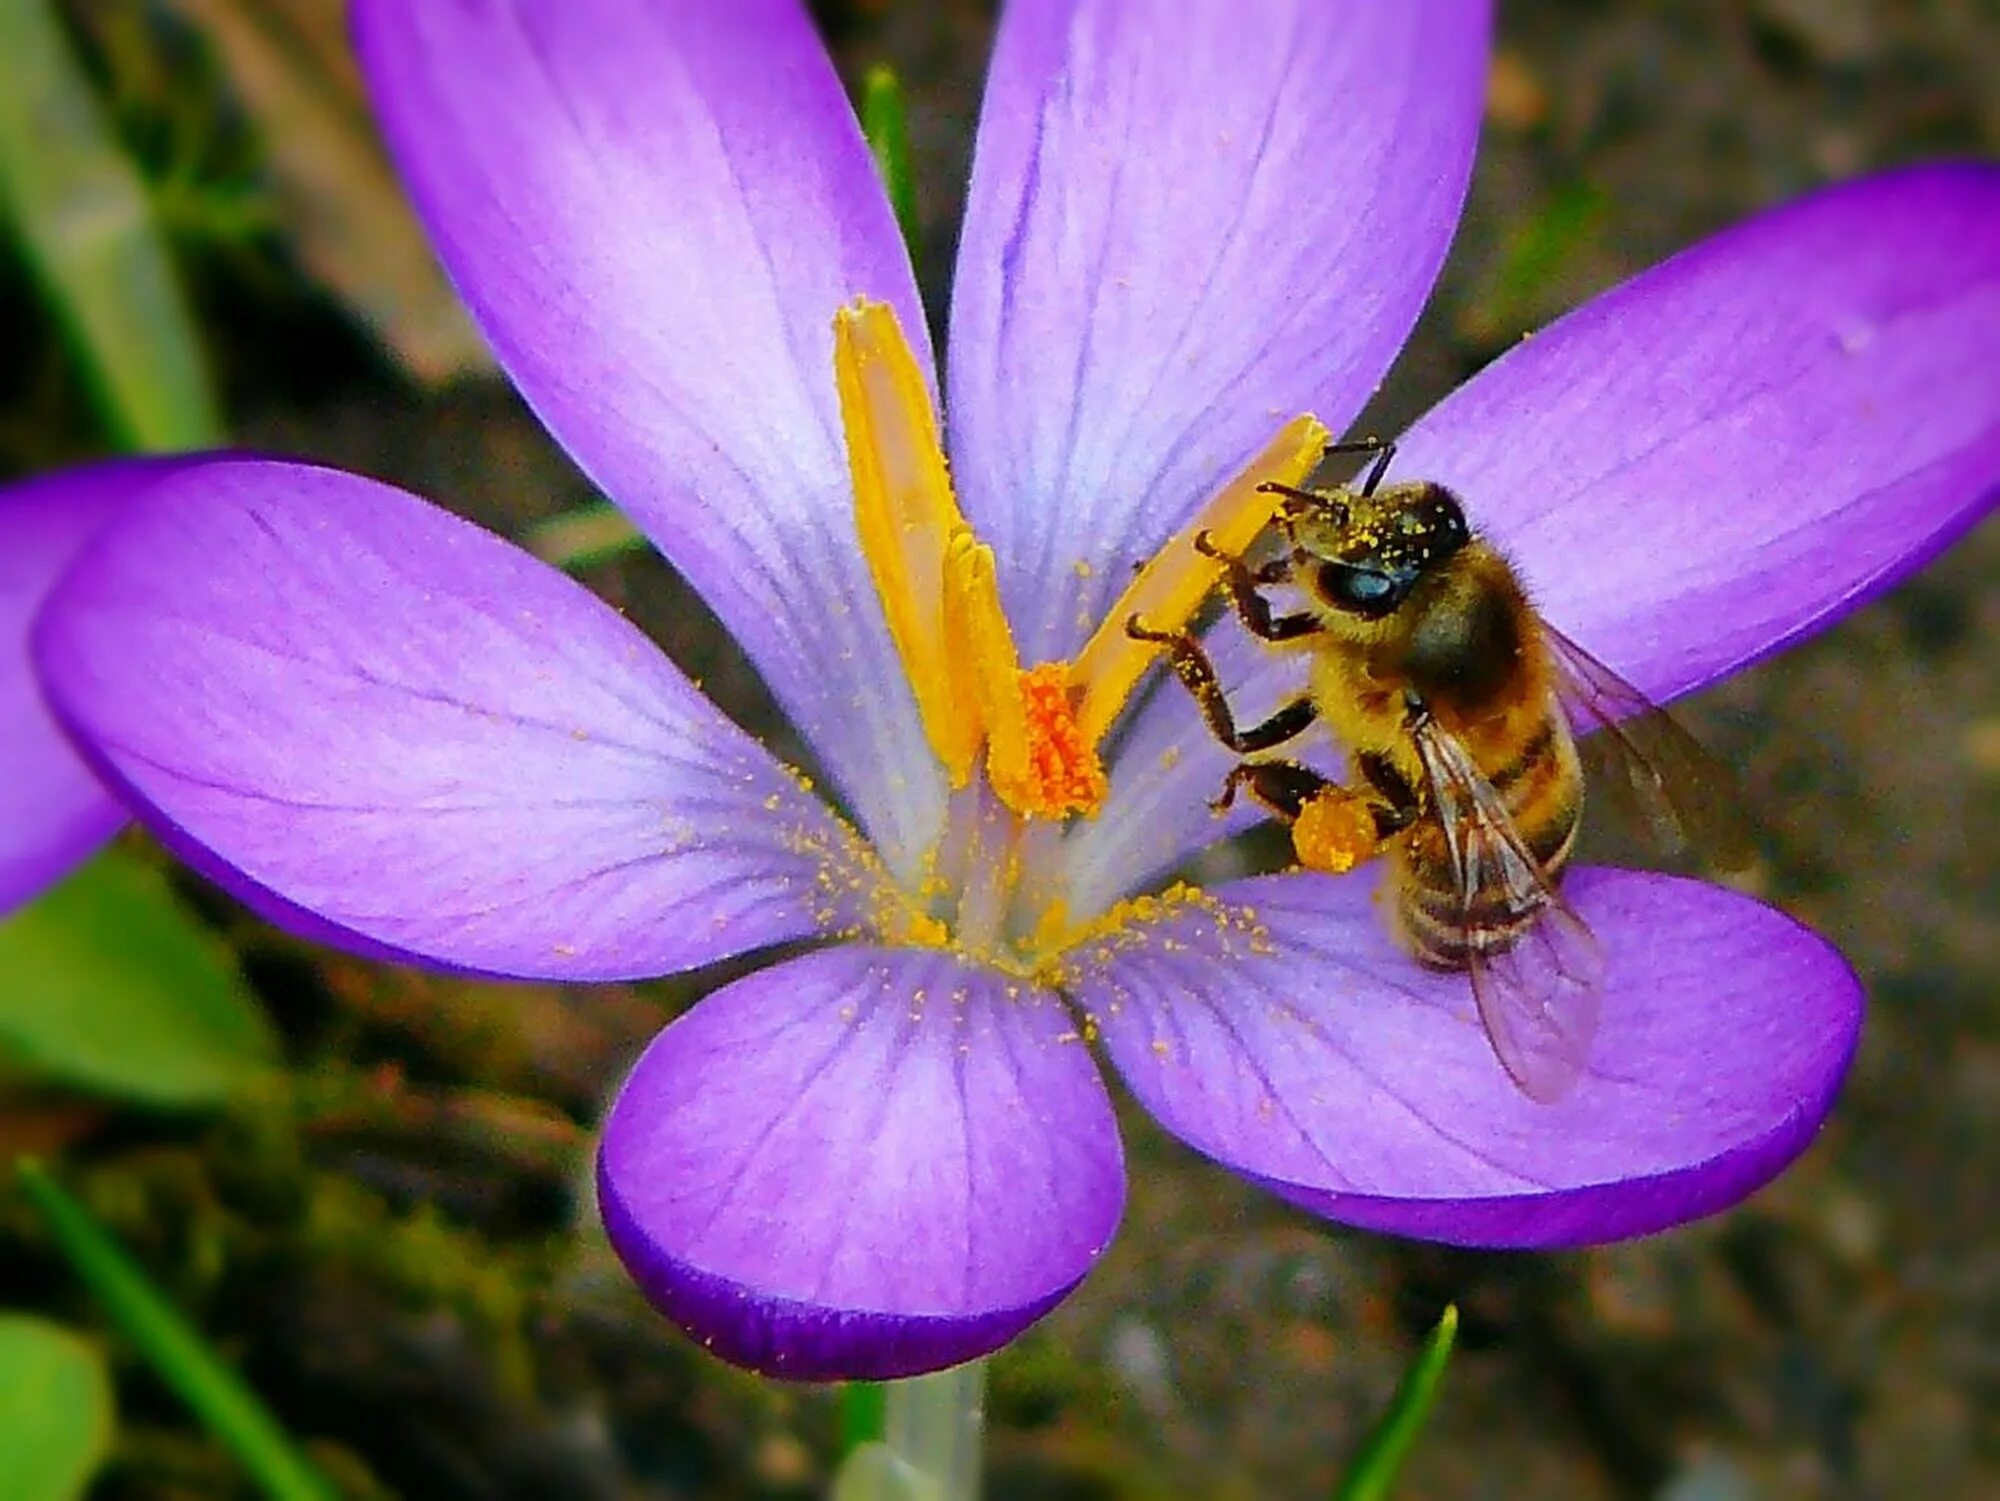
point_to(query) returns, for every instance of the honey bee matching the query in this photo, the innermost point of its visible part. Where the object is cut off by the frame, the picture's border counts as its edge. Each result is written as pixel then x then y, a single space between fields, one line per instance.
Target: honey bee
pixel 1462 711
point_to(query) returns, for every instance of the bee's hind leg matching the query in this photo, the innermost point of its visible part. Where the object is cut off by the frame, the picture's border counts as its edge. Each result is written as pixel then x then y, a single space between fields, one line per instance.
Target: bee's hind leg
pixel 1334 828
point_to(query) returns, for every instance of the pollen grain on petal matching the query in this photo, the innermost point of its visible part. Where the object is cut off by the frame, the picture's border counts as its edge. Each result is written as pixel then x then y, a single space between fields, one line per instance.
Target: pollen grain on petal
pixel 854 898
pixel 1179 919
pixel 1172 586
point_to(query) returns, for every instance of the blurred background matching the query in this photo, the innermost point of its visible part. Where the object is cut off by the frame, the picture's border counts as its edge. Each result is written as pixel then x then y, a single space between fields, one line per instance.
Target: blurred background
pixel 366 1185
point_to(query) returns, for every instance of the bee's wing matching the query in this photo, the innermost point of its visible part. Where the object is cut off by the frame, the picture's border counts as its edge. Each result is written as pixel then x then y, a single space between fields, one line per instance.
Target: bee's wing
pixel 1634 749
pixel 1538 998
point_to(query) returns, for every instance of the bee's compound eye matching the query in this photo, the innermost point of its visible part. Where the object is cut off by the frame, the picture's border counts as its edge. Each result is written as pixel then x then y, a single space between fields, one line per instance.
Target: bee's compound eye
pixel 1364 591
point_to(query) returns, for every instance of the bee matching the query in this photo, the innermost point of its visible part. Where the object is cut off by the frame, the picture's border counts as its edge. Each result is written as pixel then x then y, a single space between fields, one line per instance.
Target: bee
pixel 1462 712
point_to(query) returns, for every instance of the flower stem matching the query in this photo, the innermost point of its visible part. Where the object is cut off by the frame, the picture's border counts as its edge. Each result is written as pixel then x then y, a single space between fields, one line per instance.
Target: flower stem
pixel 933 1427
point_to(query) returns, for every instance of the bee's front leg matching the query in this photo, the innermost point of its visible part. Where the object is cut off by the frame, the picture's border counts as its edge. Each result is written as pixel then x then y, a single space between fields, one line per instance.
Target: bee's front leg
pixel 1243 582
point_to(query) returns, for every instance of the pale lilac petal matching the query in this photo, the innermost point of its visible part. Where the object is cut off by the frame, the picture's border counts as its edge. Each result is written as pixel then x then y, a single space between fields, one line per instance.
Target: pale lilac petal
pixel 1298 1046
pixel 1733 450
pixel 862 1163
pixel 380 724
pixel 654 211
pixel 1166 766
pixel 1751 439
pixel 1187 225
pixel 53 811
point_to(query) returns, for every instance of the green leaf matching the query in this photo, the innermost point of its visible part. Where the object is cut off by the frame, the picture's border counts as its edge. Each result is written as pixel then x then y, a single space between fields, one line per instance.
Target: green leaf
pixel 55 1411
pixel 83 218
pixel 108 984
pixel 884 123
pixel 1388 1444
pixel 174 1348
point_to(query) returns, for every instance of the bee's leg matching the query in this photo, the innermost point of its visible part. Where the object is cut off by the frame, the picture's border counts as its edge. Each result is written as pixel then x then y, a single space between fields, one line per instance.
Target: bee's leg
pixel 1384 453
pixel 1399 807
pixel 1197 675
pixel 1251 607
pixel 1334 828
pixel 1284 787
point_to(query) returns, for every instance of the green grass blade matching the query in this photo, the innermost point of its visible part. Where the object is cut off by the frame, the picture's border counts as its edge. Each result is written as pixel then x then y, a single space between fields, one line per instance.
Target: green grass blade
pixel 886 125
pixel 1388 1444
pixel 175 1350
pixel 584 537
pixel 83 218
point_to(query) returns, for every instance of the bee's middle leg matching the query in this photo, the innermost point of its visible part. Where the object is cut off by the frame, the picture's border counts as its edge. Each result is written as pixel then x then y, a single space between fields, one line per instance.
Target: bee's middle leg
pixel 1197 675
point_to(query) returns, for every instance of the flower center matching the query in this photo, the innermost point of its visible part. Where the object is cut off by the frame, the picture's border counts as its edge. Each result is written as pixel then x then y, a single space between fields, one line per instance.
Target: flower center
pixel 1021 747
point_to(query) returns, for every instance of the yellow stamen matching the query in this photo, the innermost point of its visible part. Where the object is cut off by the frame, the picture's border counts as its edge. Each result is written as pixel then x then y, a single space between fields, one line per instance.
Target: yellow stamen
pixel 1170 588
pixel 939 591
pixel 905 513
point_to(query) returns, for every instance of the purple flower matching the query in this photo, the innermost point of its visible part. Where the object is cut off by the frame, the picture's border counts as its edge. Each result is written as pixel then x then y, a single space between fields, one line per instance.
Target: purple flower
pixel 892 1149
pixel 53 812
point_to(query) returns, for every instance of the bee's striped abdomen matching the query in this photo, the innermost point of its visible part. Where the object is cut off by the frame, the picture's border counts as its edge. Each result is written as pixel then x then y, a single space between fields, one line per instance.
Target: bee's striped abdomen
pixel 1540 783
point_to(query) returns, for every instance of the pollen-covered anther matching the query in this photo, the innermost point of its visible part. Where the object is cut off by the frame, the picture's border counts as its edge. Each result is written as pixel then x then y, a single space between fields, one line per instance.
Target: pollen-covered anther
pixel 1176 581
pixel 1057 771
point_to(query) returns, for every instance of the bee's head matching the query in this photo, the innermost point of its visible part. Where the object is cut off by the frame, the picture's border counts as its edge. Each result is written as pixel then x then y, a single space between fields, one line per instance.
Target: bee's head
pixel 1370 551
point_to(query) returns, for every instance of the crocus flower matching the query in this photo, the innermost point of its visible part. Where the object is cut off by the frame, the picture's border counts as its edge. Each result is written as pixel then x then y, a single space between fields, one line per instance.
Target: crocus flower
pixel 53 811
pixel 891 1149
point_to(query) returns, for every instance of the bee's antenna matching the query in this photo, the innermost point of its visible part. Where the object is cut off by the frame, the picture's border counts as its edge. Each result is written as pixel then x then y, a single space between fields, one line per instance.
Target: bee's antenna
pixel 1383 452
pixel 1378 468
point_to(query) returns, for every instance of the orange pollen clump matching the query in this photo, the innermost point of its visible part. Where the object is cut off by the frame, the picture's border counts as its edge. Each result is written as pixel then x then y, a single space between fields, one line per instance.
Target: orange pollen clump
pixel 1335 832
pixel 1063 773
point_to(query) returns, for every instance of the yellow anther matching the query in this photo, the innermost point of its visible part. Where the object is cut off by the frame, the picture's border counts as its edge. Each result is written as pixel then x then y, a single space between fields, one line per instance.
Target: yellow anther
pixel 1170 588
pixel 905 513
pixel 980 645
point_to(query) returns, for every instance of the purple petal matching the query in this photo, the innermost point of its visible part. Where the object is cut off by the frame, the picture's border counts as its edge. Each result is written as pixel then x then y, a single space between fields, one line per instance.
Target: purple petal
pixel 384 726
pixel 862 1163
pixel 1300 1047
pixel 53 811
pixel 1751 439
pixel 1185 229
pixel 654 212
